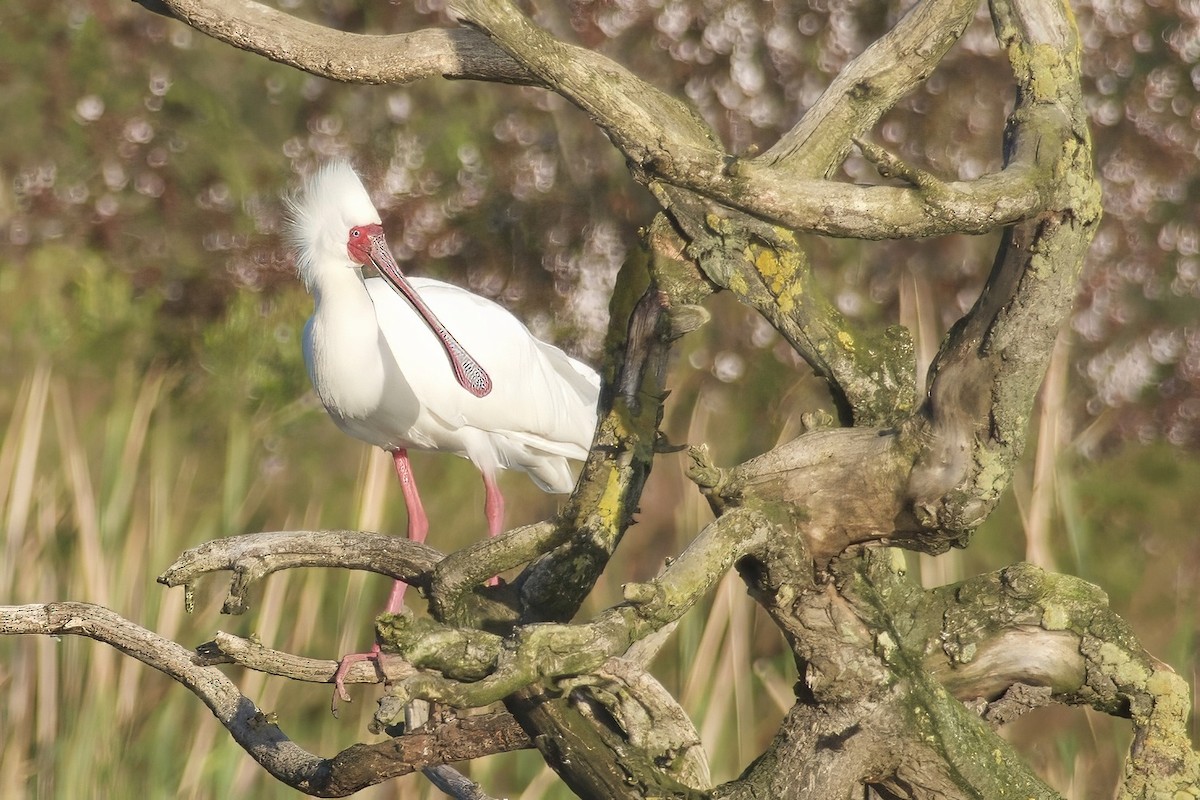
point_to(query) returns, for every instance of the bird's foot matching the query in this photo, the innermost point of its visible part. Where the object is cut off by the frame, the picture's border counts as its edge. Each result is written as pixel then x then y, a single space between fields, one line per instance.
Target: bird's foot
pixel 339 677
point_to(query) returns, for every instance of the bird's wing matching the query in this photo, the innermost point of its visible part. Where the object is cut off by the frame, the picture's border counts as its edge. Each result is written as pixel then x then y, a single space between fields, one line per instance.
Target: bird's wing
pixel 579 376
pixel 540 396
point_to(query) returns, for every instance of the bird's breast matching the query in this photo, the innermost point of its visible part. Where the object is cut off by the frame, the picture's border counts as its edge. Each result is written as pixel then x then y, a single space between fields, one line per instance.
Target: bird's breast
pixel 353 372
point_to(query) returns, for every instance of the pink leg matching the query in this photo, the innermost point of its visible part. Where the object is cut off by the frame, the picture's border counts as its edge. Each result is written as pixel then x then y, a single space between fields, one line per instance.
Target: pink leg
pixel 493 509
pixel 418 528
pixel 493 505
pixel 418 523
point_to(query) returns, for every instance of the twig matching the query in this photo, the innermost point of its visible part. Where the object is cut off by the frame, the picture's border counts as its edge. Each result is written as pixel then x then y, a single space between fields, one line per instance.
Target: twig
pixel 890 68
pixel 454 783
pixel 890 165
pixel 250 727
pixel 225 648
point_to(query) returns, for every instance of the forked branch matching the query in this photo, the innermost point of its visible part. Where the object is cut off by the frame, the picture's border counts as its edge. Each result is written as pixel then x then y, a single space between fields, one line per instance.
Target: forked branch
pixel 662 138
pixel 353 769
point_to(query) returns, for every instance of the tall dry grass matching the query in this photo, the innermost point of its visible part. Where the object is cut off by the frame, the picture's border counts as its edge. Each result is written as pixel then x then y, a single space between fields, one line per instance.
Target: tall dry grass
pixel 99 490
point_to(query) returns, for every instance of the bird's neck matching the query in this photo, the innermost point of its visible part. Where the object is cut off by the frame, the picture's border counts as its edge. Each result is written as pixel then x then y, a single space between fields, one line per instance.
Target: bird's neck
pixel 347 369
pixel 339 285
pixel 343 307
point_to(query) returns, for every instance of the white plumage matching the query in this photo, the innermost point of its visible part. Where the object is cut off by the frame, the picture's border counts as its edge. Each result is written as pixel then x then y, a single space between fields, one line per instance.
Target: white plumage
pixel 400 392
pixel 384 377
pixel 465 378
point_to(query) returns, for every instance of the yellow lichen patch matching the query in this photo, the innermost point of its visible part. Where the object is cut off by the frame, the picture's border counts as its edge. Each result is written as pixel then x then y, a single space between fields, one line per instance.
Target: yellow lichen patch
pixel 777 273
pixel 737 285
pixel 609 507
pixel 1055 618
pixel 1126 670
pixel 788 297
pixel 1164 682
pixel 846 340
pixel 993 475
pixel 771 269
pixel 1172 697
pixel 717 224
pixel 767 264
pixel 1047 72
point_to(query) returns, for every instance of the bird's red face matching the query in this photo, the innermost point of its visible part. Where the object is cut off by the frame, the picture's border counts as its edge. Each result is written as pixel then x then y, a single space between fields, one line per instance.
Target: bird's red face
pixel 365 241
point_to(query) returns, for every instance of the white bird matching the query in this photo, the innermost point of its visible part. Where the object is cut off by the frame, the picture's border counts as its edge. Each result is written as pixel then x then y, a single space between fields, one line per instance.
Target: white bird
pixel 420 364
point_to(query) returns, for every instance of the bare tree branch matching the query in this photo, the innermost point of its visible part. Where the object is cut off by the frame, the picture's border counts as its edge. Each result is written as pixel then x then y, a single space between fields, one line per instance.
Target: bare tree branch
pixel 663 139
pixel 646 124
pixel 346 57
pixel 611 482
pixel 1026 654
pixel 454 783
pixel 666 141
pixel 870 375
pixel 250 727
pixel 465 570
pixel 351 770
pixel 849 483
pixel 868 86
pixel 873 212
pixel 427 748
pixel 1022 625
pixel 252 557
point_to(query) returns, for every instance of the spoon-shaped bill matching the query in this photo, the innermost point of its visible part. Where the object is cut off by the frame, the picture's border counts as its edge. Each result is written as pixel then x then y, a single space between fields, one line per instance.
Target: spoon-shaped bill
pixel 470 374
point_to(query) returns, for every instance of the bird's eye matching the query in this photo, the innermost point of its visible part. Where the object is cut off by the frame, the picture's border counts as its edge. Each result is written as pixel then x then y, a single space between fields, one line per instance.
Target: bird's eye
pixel 355 232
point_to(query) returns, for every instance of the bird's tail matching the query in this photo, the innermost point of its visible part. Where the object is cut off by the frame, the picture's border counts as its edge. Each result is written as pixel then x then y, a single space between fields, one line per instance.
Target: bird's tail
pixel 552 475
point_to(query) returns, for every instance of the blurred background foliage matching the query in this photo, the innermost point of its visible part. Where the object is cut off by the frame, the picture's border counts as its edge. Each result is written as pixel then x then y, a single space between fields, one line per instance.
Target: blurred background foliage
pixel 152 392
